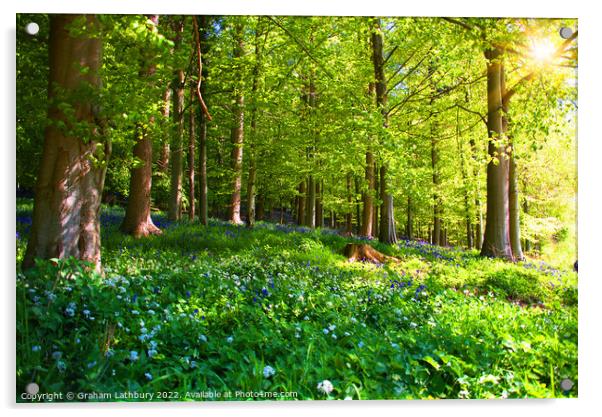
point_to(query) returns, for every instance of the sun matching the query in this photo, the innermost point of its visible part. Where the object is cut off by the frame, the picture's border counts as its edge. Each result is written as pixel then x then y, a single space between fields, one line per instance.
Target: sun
pixel 542 50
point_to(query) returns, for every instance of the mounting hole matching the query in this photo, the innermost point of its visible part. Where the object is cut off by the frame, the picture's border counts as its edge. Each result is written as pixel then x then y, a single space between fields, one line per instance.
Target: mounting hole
pixel 32 28
pixel 566 384
pixel 32 388
pixel 566 33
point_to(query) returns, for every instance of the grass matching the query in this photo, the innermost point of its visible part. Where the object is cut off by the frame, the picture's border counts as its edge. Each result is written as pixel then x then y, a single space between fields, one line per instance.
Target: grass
pixel 207 309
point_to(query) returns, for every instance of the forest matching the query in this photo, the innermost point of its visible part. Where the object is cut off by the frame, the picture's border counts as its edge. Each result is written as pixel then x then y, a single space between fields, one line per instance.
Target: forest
pixel 293 207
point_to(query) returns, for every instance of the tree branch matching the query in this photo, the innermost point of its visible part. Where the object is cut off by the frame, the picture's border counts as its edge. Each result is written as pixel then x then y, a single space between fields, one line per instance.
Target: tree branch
pixel 459 23
pixel 411 71
pixel 200 65
pixel 390 54
pixel 471 111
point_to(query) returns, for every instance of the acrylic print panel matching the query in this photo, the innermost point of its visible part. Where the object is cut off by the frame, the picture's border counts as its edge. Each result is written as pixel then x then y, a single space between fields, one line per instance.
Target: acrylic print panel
pixel 291 208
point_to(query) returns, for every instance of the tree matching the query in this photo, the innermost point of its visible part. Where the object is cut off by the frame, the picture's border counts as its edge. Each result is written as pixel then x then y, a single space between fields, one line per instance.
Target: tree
pixel 137 220
pixel 496 241
pixel 202 49
pixel 252 177
pixel 175 189
pixel 387 233
pixel 237 133
pixel 74 159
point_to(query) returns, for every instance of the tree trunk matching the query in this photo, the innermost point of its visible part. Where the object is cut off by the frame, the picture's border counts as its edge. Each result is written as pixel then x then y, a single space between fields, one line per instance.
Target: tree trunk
pixel 203 206
pixel 72 170
pixel 526 211
pixel 368 209
pixel 513 200
pixel 191 160
pixel 436 238
pixel 310 203
pixel 163 162
pixel 514 207
pixel 175 191
pixel 252 162
pixel 497 231
pixel 301 207
pixel 478 238
pixel 137 221
pixel 251 192
pixel 349 215
pixel 319 207
pixel 237 137
pixel 387 226
pixel 377 196
pixel 203 190
pixel 358 216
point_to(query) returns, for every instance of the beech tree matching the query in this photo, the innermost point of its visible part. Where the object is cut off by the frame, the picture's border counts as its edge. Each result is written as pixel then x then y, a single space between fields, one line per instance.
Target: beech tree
pixel 74 159
pixel 237 133
pixel 137 220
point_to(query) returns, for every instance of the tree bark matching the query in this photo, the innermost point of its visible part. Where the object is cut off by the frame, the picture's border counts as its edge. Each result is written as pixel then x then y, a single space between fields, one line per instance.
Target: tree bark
pixel 203 190
pixel 163 162
pixel 377 196
pixel 72 171
pixel 368 197
pixel 349 214
pixel 175 191
pixel 436 237
pixel 301 206
pixel 358 214
pixel 137 221
pixel 513 201
pixel 386 227
pixel 319 206
pixel 237 137
pixel 310 203
pixel 496 241
pixel 526 211
pixel 478 221
pixel 191 159
pixel 251 189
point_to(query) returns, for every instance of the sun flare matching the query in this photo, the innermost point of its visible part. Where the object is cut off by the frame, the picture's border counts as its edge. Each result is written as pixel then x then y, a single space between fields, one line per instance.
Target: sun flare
pixel 542 50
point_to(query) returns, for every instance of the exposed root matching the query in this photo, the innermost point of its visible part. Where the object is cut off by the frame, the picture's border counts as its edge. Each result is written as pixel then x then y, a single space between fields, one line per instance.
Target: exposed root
pixel 366 253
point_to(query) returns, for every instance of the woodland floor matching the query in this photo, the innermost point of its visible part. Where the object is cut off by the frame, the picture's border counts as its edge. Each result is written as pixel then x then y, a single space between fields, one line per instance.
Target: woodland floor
pixel 209 308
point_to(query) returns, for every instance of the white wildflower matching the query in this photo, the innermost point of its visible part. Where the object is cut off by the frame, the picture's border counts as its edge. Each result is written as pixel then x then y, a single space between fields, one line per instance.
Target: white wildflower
pixel 325 387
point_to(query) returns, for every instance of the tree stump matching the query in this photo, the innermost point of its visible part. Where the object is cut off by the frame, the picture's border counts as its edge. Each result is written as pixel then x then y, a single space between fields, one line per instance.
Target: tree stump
pixel 365 253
